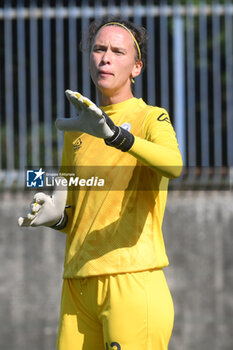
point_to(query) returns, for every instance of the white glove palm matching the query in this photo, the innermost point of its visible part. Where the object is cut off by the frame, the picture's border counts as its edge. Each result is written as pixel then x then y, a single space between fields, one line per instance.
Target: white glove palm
pixel 91 119
pixel 46 210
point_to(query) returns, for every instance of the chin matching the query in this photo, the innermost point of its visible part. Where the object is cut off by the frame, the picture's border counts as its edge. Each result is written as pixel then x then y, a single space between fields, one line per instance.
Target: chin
pixel 105 88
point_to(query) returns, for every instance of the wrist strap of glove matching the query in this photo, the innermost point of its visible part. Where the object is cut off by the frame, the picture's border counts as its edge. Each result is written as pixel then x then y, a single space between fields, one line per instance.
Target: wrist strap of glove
pixel 61 223
pixel 122 139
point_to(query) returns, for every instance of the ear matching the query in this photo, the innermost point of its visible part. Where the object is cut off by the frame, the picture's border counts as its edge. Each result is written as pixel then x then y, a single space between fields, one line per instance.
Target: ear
pixel 137 69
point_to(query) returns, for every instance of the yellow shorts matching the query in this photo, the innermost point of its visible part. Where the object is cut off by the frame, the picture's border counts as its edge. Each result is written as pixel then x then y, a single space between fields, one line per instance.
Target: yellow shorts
pixel 132 311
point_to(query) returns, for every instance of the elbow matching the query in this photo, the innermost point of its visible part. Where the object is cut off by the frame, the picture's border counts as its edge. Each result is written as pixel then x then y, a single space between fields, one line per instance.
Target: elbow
pixel 175 171
pixel 171 172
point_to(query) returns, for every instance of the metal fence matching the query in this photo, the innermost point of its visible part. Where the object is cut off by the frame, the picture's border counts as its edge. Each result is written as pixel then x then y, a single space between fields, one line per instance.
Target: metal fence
pixel 189 72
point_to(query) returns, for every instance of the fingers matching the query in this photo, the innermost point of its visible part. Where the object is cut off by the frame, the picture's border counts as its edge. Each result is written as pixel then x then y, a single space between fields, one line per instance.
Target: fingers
pixel 28 220
pixel 82 103
pixel 24 221
pixel 45 209
pixel 75 99
pixel 98 112
pixel 39 198
pixel 69 93
pixel 35 207
pixel 34 210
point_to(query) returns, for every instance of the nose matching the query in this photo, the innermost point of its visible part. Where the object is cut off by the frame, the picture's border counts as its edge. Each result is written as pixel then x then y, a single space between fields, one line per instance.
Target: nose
pixel 106 57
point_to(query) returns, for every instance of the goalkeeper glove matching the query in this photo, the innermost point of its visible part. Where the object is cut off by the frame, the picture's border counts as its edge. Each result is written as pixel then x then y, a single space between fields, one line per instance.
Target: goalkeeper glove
pixel 93 121
pixel 47 210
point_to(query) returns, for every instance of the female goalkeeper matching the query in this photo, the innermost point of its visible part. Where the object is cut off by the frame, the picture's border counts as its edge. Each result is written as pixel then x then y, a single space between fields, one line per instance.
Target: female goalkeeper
pixel 115 294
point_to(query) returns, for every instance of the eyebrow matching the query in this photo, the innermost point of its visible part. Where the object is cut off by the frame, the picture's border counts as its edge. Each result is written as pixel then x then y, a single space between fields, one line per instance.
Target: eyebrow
pixel 102 46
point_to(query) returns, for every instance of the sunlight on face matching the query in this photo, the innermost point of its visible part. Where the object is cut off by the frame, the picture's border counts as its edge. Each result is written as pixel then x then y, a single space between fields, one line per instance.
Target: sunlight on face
pixel 113 60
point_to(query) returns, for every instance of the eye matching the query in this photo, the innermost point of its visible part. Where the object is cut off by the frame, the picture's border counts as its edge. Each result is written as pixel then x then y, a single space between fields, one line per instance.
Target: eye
pixel 119 52
pixel 98 49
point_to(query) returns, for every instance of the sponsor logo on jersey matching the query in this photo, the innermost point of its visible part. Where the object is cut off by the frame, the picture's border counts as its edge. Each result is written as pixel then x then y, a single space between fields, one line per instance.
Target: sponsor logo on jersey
pixel 126 126
pixel 35 178
pixel 113 345
pixel 163 118
pixel 77 144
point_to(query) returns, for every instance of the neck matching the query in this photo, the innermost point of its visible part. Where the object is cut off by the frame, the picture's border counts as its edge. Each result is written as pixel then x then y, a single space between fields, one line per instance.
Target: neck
pixel 105 99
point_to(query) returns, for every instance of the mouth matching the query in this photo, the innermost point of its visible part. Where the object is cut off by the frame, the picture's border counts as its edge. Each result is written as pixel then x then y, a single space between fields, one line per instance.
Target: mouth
pixel 104 73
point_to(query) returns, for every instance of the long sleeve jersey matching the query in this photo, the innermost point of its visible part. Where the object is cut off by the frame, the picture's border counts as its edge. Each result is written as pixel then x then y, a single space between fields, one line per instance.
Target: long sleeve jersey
pixel 119 229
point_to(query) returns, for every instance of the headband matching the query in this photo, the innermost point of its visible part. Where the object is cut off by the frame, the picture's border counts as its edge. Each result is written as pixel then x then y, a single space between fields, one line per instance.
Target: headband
pixel 128 30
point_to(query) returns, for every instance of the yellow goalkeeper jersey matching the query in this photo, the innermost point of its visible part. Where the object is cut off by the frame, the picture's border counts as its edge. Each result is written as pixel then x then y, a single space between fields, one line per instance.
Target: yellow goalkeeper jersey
pixel 119 229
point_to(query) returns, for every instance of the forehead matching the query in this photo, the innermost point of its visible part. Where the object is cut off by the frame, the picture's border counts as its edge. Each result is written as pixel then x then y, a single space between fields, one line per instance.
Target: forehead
pixel 114 35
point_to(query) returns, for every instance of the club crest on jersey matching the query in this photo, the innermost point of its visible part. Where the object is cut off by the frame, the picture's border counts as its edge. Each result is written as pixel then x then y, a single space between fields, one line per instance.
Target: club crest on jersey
pixel 77 144
pixel 126 126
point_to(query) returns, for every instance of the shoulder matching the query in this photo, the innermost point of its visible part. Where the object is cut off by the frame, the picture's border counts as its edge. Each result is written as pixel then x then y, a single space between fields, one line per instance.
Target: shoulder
pixel 157 123
pixel 156 117
pixel 154 112
pixel 158 114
